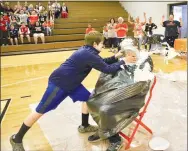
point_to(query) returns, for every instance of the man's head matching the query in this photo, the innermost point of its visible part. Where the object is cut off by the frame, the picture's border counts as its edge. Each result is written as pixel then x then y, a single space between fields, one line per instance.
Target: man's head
pixel 120 20
pixel 171 17
pixel 95 39
pixel 129 48
pixel 131 53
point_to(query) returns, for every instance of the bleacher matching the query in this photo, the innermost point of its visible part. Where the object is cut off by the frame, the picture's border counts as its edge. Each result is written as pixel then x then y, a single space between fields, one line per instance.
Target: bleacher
pixel 68 34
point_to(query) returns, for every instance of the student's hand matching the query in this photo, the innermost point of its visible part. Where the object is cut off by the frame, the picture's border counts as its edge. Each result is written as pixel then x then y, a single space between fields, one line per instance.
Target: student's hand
pixel 119 54
pixel 130 59
pixel 144 14
pixel 180 19
pixel 163 17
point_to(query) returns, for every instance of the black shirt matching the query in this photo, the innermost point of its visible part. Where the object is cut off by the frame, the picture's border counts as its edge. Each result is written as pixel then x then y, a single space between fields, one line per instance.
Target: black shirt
pixel 38 29
pixel 42 18
pixel 171 28
pixel 150 27
pixel 13 33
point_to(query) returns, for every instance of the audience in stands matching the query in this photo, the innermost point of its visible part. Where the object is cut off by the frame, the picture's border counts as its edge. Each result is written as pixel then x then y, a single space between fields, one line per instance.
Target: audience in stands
pixel 112 35
pixel 15 21
pixel 23 17
pixel 3 32
pixel 138 31
pixel 64 11
pixel 33 18
pixel 105 34
pixel 24 32
pixel 43 16
pixel 121 29
pixel 89 28
pixel 57 9
pixel 6 19
pixel 48 26
pixel 13 35
pixel 38 32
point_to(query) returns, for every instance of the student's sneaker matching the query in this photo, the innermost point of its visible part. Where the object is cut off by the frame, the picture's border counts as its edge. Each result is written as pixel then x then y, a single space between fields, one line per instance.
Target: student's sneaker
pixel 90 128
pixel 16 146
pixel 115 146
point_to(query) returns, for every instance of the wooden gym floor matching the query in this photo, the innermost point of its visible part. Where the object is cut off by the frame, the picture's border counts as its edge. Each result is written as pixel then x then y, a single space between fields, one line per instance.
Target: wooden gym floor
pixel 24 79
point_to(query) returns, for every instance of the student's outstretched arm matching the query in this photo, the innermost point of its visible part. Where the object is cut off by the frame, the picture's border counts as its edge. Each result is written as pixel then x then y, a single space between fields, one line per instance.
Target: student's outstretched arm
pixel 99 64
pixel 113 59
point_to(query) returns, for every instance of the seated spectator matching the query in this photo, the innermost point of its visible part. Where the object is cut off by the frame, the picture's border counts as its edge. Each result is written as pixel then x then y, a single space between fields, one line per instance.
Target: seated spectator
pixel 24 32
pixel 15 22
pixel 6 19
pixel 15 8
pixel 22 16
pixel 8 10
pixel 33 18
pixel 64 11
pixel 30 8
pixel 38 32
pixel 25 9
pixel 51 17
pixel 89 29
pixel 40 7
pixel 36 9
pixel 3 32
pixel 2 7
pixel 26 5
pixel 57 9
pixel 48 28
pixel 13 35
pixel 43 16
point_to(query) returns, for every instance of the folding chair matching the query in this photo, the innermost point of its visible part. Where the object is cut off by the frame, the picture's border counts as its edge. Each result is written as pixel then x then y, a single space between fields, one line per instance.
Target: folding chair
pixel 139 120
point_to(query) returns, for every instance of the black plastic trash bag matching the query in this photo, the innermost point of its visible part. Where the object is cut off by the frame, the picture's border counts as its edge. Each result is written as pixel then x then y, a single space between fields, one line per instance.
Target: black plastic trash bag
pixel 116 100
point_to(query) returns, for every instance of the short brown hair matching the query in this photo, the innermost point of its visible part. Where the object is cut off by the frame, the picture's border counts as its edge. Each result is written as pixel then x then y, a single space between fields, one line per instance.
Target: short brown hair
pixel 93 36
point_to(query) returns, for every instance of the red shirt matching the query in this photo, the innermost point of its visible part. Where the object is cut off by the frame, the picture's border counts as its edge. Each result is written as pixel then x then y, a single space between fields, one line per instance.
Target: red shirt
pixel 33 19
pixel 24 29
pixel 6 19
pixel 121 32
pixel 3 25
pixel 89 29
pixel 48 24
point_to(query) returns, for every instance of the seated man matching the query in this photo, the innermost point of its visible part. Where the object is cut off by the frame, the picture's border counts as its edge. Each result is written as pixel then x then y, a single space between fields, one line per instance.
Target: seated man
pixel 117 98
pixel 24 32
pixel 38 32
pixel 13 34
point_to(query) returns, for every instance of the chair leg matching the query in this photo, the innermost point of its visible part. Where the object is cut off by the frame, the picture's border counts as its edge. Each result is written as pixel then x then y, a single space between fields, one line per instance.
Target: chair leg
pixel 144 126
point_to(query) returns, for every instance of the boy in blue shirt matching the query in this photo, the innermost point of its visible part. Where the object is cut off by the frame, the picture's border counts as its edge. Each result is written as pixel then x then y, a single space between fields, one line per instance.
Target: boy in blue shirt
pixel 66 81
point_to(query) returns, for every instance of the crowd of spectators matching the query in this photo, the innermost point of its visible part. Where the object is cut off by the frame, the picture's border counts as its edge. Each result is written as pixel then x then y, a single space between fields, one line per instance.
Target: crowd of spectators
pixel 28 20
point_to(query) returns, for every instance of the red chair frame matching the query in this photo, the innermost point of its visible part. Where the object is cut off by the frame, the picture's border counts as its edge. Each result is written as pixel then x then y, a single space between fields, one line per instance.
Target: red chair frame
pixel 139 120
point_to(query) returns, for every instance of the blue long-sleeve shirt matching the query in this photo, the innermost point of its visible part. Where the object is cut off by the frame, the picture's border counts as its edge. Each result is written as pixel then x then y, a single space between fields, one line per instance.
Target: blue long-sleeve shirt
pixel 74 70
